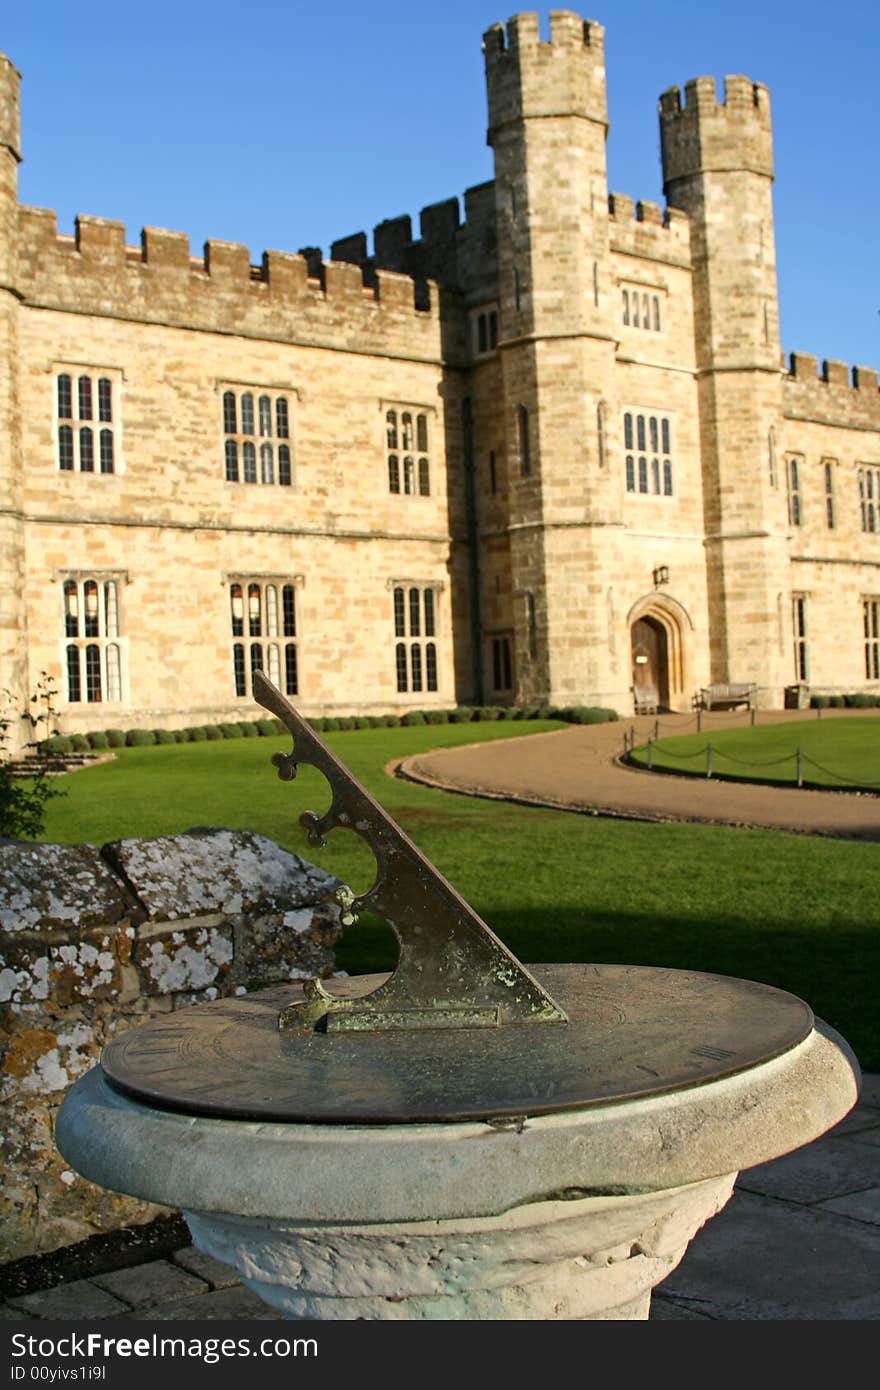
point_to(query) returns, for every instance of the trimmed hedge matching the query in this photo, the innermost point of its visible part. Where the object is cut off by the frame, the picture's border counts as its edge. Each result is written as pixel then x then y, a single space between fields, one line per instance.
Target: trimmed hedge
pixel 196 734
pixel 115 738
pixel 230 730
pixel 140 738
pixel 57 743
pixel 247 729
pixel 97 740
pixel 164 735
pixel 586 714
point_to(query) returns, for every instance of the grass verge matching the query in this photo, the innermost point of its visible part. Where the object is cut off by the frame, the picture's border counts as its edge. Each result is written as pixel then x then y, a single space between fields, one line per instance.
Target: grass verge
pixel 841 754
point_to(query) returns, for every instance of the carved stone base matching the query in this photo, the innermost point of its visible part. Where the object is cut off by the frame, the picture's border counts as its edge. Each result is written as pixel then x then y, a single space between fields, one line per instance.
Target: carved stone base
pixel 594 1258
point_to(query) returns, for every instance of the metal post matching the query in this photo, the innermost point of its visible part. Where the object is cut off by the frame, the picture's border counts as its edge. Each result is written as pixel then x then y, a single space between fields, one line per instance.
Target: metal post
pixel 656 728
pixel 708 760
pixel 650 757
pixel 754 712
pixel 699 721
pixel 800 767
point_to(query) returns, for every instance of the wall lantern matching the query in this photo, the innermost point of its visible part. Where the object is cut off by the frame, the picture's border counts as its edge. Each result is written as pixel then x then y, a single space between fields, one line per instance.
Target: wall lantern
pixel 661 575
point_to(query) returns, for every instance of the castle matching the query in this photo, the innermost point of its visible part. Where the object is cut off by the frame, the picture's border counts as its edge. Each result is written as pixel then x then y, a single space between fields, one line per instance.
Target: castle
pixel 546 452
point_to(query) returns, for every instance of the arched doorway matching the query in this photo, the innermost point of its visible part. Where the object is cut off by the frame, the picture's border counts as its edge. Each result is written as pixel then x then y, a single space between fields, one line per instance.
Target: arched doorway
pixel 662 662
pixel 650 664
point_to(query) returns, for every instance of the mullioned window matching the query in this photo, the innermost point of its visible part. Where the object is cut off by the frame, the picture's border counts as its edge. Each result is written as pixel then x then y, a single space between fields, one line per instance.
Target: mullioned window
pixel 264 635
pixel 86 421
pixel 647 440
pixel 257 437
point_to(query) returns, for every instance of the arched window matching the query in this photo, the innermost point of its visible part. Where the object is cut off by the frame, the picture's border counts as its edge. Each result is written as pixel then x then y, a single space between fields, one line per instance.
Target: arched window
pixel 270 614
pixel 77 442
pixel 74 688
pixel 93 673
pixel 274 664
pixel 408 476
pixel 255 625
pixel 288 611
pixel 231 461
pixel 71 610
pixel 65 447
pixel 407 429
pixel 271 611
pixel 237 606
pixel 114 676
pixel 626 307
pixel 86 450
pixel 284 472
pixel 249 461
pixel 84 394
pixel 106 448
pixel 91 616
pixel 393 473
pixel 391 432
pixel 424 478
pixel 647 456
pixel 93 654
pixel 291 679
pixel 269 418
pixel 414 617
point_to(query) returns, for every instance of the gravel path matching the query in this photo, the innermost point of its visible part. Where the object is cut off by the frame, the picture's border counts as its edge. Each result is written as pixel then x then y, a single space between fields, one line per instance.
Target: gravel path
pixel 577 769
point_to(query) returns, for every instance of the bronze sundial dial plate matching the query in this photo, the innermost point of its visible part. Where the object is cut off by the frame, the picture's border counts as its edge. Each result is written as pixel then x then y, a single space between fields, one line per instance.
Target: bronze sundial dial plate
pixel 632 1031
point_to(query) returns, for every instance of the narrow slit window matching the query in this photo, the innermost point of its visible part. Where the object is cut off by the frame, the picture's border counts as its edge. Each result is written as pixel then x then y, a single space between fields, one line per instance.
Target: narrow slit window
pixel 288 611
pixel 65 448
pixel 284 469
pixel 231 461
pixel 105 400
pixel 84 391
pixel 65 397
pixel 74 689
pixel 106 450
pixel 86 450
pixel 265 413
pixel 93 674
pixel 249 461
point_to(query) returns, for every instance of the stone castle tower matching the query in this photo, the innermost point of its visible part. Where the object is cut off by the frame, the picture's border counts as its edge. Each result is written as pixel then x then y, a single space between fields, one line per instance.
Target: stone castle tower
pixel 546 452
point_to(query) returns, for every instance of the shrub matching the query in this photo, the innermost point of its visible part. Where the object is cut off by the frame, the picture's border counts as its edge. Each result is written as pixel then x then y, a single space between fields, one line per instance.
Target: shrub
pixel 164 735
pixel 331 724
pixel 230 730
pixel 140 738
pixel 79 743
pixel 543 712
pixel 266 728
pixel 23 799
pixel 115 738
pixel 436 716
pixel 524 712
pixel 587 714
pixel 98 739
pixel 57 743
pixel 345 721
pixel 181 735
pixel 413 717
pixel 247 729
pixel 213 733
pixel 462 714
pixel 857 700
pixel 837 701
pixel 361 721
pixel 485 713
pixel 820 701
pixel 195 734
pixel 390 721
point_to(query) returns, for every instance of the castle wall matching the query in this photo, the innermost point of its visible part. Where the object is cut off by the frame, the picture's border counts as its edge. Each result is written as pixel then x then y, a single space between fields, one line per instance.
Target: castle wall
pixel 177 530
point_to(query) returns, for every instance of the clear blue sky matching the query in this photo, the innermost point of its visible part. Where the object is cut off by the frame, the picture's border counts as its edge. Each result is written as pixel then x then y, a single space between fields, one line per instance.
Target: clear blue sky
pixel 284 124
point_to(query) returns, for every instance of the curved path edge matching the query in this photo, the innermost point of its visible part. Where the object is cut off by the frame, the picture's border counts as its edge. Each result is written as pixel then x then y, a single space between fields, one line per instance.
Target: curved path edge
pixel 578 769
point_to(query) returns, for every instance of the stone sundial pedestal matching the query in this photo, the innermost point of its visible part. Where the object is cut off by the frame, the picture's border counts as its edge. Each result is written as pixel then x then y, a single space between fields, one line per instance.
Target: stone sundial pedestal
pixel 467 1138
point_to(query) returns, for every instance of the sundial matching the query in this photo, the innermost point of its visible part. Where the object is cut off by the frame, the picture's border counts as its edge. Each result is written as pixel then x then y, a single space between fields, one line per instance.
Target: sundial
pixel 460 1029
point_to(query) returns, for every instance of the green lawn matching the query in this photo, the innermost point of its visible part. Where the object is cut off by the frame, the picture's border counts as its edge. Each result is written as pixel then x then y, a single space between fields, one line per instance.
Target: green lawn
pixel 836 753
pixel 795 911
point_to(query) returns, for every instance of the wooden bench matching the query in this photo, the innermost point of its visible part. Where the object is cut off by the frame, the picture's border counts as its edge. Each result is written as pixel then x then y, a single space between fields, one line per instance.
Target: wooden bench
pixel 646 700
pixel 727 696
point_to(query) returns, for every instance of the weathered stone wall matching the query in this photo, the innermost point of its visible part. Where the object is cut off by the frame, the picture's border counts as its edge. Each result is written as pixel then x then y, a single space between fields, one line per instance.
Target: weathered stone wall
pixel 93 942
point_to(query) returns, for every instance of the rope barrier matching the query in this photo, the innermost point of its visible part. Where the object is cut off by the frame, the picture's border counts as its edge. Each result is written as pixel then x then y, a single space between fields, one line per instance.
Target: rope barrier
pixel 708 752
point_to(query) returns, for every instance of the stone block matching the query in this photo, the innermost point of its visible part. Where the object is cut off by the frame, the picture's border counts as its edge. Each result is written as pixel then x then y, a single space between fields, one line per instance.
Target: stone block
pixel 53 888
pixel 211 870
pixel 70 1302
pixel 155 1282
pixel 205 1267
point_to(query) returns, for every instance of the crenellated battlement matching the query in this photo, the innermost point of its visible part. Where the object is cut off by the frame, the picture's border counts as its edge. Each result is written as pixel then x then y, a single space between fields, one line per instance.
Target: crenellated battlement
pixel 701 134
pixel 95 271
pixel 458 254
pixel 527 76
pixel 834 388
pixel 646 229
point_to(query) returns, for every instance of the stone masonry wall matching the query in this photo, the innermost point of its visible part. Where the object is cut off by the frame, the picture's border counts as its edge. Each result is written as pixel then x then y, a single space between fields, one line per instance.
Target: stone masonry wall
pixel 95 941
